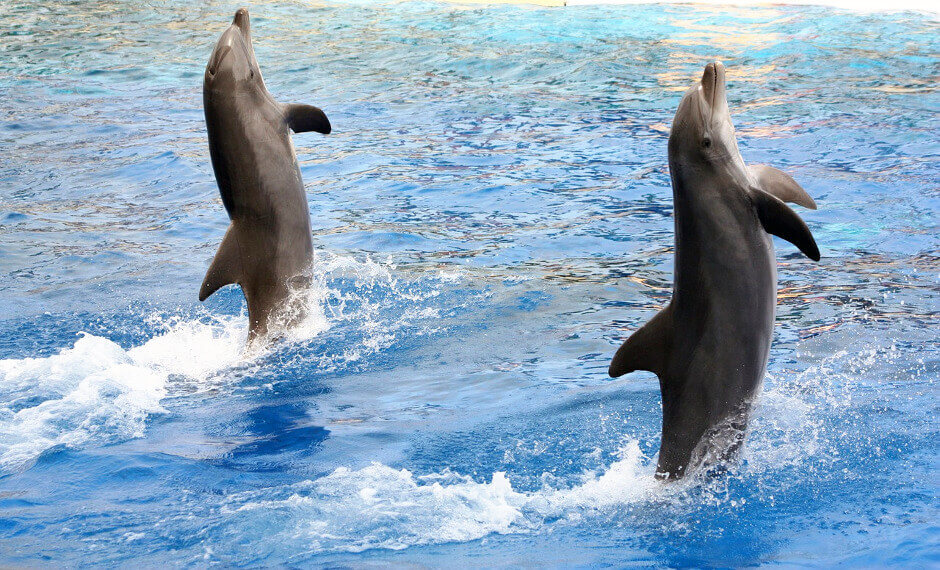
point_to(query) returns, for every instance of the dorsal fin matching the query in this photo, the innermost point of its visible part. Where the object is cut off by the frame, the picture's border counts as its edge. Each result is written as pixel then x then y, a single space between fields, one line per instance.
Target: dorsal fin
pixel 778 219
pixel 646 349
pixel 780 184
pixel 304 118
pixel 225 269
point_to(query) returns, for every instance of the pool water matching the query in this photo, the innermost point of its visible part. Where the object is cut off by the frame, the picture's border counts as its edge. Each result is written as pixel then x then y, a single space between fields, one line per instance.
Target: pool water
pixel 492 217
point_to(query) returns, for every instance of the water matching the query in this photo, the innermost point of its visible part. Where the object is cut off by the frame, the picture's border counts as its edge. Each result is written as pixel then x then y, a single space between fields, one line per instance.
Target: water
pixel 492 217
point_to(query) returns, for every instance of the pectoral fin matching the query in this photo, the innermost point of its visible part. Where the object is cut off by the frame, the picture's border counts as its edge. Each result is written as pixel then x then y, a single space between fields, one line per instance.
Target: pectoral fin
pixel 780 184
pixel 225 269
pixel 778 219
pixel 646 349
pixel 305 118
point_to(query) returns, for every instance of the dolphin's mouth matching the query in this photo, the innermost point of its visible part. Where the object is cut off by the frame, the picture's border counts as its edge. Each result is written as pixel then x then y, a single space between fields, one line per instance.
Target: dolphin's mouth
pixel 713 89
pixel 218 57
pixel 243 26
pixel 713 82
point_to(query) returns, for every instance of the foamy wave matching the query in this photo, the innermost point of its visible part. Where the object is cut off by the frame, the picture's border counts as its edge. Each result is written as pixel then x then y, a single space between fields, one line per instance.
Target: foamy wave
pixel 98 393
pixel 626 481
pixel 381 507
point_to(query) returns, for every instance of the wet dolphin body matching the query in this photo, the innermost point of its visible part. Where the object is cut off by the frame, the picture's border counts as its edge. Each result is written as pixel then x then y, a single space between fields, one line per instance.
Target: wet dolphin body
pixel 709 346
pixel 267 247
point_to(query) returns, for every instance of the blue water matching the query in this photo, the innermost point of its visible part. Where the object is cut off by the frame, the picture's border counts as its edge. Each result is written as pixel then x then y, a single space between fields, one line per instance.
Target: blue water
pixel 492 216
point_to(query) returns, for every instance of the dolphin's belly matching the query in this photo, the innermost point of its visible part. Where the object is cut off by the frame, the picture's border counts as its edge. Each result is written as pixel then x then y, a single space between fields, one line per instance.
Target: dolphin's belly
pixel 723 330
pixel 272 224
pixel 260 182
pixel 262 174
pixel 261 186
pixel 254 161
pixel 727 339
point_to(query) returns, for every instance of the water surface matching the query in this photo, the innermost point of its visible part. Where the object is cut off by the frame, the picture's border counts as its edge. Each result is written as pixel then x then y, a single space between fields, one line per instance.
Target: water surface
pixel 492 217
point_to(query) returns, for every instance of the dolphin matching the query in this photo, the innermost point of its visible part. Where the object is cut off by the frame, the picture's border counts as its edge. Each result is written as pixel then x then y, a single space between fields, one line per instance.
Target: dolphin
pixel 267 248
pixel 710 345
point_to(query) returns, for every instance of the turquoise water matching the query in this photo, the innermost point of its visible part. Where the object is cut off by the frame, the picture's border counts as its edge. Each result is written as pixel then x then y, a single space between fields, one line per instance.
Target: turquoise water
pixel 492 217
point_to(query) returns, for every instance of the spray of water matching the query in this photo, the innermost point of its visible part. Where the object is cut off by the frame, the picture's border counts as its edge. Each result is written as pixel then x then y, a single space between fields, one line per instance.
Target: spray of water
pixel 96 392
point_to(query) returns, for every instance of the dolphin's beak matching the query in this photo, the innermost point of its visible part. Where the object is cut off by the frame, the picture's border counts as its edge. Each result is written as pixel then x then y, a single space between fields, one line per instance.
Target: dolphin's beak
pixel 240 25
pixel 713 83
pixel 241 21
pixel 244 25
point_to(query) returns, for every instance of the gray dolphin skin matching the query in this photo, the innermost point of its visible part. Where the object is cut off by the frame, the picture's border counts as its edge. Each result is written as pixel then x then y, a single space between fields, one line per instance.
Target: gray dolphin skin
pixel 267 248
pixel 710 345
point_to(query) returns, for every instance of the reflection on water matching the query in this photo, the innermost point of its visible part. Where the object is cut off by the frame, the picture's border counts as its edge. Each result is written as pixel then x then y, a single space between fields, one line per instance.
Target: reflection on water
pixel 493 216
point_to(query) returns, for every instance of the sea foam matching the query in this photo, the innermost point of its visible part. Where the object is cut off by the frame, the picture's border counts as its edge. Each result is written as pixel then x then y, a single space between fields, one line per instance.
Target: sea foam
pixel 379 506
pixel 96 392
pixel 351 510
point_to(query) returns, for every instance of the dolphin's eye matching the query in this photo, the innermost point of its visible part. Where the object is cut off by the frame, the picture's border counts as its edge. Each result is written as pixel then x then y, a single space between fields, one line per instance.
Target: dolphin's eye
pixel 252 73
pixel 706 142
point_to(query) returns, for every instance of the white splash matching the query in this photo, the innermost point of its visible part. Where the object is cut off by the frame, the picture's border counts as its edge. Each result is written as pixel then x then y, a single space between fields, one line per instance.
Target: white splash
pixel 381 507
pixel 98 393
pixel 378 506
pixel 628 480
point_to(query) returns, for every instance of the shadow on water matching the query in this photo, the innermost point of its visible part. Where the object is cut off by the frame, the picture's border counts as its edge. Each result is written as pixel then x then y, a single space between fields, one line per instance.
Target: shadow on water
pixel 276 437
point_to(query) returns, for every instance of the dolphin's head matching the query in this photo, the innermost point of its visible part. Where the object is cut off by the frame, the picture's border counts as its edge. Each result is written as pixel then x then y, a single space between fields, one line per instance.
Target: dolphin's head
pixel 233 65
pixel 702 134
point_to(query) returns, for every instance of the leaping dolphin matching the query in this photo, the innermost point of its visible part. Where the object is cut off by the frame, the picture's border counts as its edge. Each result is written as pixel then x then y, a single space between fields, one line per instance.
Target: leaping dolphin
pixel 709 346
pixel 268 246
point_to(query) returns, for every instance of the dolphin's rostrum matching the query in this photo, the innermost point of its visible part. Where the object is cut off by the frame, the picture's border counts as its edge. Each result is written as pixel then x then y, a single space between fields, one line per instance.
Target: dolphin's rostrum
pixel 709 346
pixel 267 248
